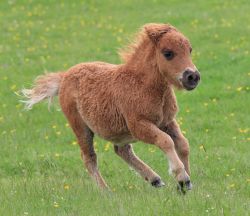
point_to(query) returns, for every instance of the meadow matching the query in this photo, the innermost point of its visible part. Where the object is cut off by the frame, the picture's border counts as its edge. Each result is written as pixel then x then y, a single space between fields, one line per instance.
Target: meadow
pixel 41 172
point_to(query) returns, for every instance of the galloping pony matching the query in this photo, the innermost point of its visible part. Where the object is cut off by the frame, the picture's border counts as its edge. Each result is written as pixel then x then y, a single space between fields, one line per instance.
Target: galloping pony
pixel 129 102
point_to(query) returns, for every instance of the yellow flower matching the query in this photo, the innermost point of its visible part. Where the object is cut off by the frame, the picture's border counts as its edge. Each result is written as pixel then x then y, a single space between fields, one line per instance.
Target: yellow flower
pixel 107 146
pixel 13 87
pixel 239 89
pixel 66 186
pixel 74 143
pixel 56 205
pixel 150 149
pixel 57 155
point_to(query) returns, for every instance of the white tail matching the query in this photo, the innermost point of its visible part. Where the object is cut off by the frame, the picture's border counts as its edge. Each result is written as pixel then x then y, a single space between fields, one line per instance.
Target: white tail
pixel 45 87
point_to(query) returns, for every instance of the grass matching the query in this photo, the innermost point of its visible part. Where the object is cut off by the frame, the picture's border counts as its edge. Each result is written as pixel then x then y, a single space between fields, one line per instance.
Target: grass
pixel 41 171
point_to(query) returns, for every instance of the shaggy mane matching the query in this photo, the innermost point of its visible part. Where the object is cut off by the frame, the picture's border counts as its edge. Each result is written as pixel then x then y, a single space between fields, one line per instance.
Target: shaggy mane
pixel 128 51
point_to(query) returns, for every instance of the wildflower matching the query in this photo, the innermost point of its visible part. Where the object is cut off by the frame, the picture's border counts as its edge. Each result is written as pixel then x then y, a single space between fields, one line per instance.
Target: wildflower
pixel 57 155
pixel 74 143
pixel 107 146
pixel 150 149
pixel 239 88
pixel 13 87
pixel 66 186
pixel 56 205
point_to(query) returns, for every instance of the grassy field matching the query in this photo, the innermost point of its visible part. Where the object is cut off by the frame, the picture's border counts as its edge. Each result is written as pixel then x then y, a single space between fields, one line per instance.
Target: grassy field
pixel 41 172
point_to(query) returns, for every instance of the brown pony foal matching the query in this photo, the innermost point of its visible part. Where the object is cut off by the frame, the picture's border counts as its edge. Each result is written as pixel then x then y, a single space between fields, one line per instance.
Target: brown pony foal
pixel 128 102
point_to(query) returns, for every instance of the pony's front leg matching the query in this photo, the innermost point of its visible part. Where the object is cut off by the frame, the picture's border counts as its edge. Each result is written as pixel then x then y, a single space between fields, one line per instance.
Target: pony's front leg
pixel 148 132
pixel 181 143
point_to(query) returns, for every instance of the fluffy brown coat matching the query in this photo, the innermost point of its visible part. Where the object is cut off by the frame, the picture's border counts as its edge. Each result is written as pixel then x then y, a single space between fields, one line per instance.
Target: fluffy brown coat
pixel 128 102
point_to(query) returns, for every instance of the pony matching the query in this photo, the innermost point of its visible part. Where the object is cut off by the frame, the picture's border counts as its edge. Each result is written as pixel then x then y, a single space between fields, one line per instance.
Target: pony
pixel 129 102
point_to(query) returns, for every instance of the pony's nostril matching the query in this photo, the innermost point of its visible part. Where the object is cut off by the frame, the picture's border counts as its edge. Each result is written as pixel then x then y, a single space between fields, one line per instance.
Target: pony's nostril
pixel 191 77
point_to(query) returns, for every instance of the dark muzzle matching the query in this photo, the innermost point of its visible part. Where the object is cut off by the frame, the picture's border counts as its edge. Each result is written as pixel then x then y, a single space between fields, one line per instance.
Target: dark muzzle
pixel 190 79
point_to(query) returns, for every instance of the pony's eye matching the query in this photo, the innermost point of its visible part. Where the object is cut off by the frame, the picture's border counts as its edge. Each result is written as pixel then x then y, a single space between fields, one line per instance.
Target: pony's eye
pixel 191 49
pixel 168 54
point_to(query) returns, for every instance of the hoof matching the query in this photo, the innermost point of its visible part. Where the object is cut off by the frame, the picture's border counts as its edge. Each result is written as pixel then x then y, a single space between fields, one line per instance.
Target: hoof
pixel 157 183
pixel 183 187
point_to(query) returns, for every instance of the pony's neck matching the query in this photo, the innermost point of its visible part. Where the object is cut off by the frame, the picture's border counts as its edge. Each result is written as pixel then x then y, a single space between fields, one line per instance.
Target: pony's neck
pixel 143 63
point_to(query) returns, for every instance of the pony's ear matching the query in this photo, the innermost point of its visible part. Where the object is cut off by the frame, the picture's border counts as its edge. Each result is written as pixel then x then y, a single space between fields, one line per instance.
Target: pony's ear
pixel 155 31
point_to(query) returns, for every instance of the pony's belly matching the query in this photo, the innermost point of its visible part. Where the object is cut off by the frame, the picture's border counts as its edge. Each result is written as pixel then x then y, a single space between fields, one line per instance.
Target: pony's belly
pixel 114 135
pixel 121 139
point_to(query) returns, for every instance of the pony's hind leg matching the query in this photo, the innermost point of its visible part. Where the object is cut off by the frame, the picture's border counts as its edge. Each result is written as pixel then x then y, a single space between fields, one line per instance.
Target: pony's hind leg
pixel 85 140
pixel 127 154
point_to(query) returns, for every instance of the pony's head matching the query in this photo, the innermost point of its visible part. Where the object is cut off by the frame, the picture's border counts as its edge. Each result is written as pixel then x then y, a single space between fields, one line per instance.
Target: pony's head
pixel 173 55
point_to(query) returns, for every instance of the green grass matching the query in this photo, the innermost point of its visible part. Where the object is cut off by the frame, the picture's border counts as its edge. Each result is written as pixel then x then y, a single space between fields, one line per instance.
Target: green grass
pixel 37 149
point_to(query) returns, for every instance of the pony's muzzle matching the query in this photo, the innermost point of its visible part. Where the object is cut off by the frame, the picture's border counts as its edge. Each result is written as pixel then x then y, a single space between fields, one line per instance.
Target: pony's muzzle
pixel 190 79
